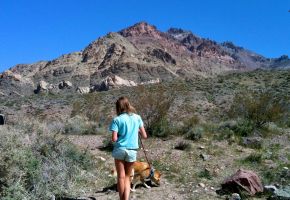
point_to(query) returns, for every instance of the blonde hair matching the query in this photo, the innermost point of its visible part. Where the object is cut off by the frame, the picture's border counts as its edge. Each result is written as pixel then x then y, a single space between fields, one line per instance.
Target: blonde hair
pixel 123 105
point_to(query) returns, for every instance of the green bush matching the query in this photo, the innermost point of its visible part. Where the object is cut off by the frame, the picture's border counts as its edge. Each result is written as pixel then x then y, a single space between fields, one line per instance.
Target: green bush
pixel 259 107
pixel 205 174
pixel 277 175
pixel 183 145
pixel 153 106
pixel 254 158
pixel 195 133
pixel 160 128
pixel 243 128
pixel 79 125
pixel 189 124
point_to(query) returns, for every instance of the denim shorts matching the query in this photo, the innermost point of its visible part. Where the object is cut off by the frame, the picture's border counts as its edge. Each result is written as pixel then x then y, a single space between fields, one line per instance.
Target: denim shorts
pixel 128 155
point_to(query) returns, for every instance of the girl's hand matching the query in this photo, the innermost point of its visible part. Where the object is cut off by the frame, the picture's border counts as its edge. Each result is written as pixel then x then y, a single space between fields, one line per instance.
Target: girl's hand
pixel 142 132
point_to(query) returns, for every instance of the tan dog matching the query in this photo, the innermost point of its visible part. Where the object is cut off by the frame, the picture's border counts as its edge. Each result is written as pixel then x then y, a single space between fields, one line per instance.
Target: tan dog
pixel 142 172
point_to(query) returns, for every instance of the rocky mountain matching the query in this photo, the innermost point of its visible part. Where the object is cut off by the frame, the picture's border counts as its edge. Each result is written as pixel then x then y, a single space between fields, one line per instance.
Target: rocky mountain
pixel 140 54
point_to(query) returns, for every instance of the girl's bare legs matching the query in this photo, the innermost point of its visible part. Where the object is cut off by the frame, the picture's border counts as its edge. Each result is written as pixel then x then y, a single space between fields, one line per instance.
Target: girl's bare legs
pixel 124 170
pixel 120 167
pixel 128 171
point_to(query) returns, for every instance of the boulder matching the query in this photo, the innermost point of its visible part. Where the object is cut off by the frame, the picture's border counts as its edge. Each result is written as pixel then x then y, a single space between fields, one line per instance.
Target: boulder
pixel 83 90
pixel 44 87
pixel 65 84
pixel 243 180
pixel 278 194
pixel 283 193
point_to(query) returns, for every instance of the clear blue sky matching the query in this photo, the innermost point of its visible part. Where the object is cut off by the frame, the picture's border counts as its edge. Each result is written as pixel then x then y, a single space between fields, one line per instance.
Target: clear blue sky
pixel 34 30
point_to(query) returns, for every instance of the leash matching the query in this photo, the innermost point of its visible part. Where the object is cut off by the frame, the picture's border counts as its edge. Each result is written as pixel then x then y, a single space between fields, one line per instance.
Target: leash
pixel 145 152
pixel 150 165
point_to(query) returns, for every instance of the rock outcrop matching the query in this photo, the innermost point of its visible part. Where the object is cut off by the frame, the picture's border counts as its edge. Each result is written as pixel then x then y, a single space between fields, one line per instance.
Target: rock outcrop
pixel 113 81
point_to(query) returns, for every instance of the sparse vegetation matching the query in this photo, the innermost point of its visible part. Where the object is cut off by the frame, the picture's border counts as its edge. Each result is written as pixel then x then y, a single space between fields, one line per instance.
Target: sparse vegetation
pixel 79 125
pixel 183 145
pixel 258 108
pixel 153 106
pixel 40 165
pixel 186 119
pixel 195 133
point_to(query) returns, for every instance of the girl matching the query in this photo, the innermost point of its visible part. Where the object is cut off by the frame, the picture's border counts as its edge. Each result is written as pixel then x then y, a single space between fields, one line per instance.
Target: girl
pixel 125 128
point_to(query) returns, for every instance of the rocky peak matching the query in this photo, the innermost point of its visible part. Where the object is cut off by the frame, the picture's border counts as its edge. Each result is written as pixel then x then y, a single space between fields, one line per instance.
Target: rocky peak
pixel 174 31
pixel 140 29
pixel 231 46
pixel 179 33
pixel 187 38
pixel 281 62
pixel 283 58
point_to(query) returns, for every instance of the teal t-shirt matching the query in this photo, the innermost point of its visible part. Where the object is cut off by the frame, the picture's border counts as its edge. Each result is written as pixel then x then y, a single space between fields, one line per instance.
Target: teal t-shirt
pixel 127 127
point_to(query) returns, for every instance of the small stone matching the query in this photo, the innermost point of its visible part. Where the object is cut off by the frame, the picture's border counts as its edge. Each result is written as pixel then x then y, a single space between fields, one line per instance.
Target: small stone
pixel 270 188
pixel 102 158
pixel 204 157
pixel 285 168
pixel 212 188
pixel 201 185
pixel 235 196
pixel 201 147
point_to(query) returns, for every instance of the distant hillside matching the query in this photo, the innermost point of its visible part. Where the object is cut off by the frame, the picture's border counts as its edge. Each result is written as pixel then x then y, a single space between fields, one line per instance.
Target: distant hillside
pixel 140 54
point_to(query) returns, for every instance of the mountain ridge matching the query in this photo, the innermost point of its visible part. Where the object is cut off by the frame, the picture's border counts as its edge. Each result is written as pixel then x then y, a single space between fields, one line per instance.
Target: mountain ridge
pixel 138 54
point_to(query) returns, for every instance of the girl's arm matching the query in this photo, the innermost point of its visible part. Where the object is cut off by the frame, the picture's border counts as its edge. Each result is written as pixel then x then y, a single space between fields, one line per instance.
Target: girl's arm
pixel 114 136
pixel 142 132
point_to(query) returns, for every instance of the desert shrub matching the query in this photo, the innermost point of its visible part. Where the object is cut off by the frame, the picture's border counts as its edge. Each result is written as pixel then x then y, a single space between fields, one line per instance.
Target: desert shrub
pixel 153 106
pixel 195 133
pixel 40 165
pixel 205 173
pixel 161 128
pixel 225 134
pixel 79 125
pixel 189 124
pixel 183 145
pixel 91 106
pixel 279 175
pixel 243 128
pixel 253 158
pixel 259 107
pixel 234 131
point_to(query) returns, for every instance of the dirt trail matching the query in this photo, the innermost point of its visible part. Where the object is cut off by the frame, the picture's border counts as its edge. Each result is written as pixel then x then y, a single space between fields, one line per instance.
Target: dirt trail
pixel 167 190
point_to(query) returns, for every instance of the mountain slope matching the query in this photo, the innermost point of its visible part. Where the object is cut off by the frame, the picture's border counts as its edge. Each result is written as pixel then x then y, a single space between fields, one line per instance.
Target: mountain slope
pixel 140 54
